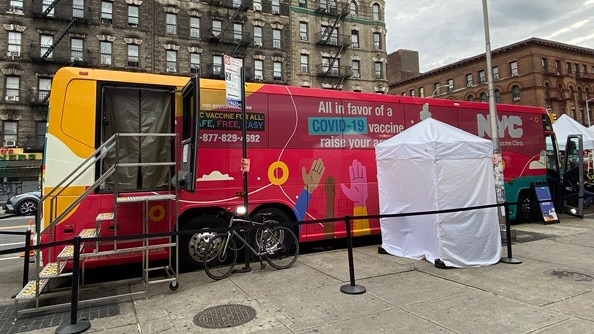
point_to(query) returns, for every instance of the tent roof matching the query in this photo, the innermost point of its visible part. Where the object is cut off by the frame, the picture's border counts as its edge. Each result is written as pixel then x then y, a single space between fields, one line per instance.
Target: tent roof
pixel 433 139
pixel 565 126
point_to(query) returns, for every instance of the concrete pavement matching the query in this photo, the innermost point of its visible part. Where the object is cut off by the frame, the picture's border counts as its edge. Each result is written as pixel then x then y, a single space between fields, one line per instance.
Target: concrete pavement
pixel 551 291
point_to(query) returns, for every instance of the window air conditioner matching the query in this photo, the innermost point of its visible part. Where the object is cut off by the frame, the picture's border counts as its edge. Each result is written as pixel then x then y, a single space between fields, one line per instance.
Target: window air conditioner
pixel 517 98
pixel 171 69
pixel 356 75
pixel 276 11
pixel 257 7
pixel 258 43
pixel 9 143
pixel 258 77
pixel 12 98
pixel 13 54
pixel 303 38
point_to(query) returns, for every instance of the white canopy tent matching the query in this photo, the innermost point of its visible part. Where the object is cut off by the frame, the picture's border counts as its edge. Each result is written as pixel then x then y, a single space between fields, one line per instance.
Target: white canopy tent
pixel 433 166
pixel 565 126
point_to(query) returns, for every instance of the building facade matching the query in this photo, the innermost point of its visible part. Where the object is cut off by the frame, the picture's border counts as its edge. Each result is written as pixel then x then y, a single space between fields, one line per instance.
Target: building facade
pixel 536 72
pixel 333 44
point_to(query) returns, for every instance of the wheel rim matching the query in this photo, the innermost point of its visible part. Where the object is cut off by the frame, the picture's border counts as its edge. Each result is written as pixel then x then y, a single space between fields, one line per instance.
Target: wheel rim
pixel 27 207
pixel 196 245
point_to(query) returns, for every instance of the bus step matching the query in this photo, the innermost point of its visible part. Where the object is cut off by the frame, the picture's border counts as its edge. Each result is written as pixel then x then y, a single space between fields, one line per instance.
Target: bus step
pixel 68 252
pixel 104 216
pixel 53 270
pixel 28 292
pixel 88 233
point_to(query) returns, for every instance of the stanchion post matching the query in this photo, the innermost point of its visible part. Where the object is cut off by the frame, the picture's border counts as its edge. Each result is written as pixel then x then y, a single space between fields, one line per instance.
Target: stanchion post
pixel 352 288
pixel 27 259
pixel 509 259
pixel 82 324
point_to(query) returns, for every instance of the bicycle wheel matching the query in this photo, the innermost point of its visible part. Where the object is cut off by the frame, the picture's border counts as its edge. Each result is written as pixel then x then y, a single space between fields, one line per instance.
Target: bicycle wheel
pixel 218 261
pixel 281 247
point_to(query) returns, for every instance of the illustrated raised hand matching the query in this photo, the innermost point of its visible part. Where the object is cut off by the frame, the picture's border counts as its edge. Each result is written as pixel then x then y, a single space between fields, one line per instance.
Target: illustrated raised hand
pixel 357 191
pixel 313 178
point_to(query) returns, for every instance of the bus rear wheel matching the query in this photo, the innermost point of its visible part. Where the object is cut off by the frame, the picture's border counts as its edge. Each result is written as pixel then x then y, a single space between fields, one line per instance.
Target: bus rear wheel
pixel 191 245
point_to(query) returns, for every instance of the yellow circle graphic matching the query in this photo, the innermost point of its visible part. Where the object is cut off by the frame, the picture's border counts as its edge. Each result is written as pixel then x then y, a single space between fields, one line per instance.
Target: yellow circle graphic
pixel 277 181
pixel 156 212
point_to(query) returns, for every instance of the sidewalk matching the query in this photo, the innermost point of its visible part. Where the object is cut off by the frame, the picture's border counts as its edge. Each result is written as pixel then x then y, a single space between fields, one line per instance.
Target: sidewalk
pixel 551 291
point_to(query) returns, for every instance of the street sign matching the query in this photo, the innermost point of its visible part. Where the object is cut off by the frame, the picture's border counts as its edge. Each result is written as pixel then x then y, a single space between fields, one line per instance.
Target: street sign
pixel 233 68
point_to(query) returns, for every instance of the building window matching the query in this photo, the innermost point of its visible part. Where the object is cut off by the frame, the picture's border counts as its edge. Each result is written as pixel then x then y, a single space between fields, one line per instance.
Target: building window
pixel 353 10
pixel 194 63
pixel 40 128
pixel 585 70
pixel 16 6
pixel 303 3
pixel 557 66
pixel 497 96
pixel 356 68
pixel 217 27
pixel 44 86
pixel 14 43
pixel 516 93
pixel 436 89
pixel 379 70
pixel 133 55
pixel 45 5
pixel 275 6
pixel 12 88
pixel 105 53
pixel 258 36
pixel 106 12
pixel 412 92
pixel 481 75
pixel 303 31
pixel 217 64
pixel 377 41
pixel 355 39
pixel 238 32
pixel 258 5
pixel 194 27
pixel 326 66
pixel 76 49
pixel 171 25
pixel 171 61
pixel 577 69
pixel 9 130
pixel 258 69
pixel 421 91
pixel 469 82
pixel 78 8
pixel 46 42
pixel 513 68
pixel 276 38
pixel 483 97
pixel 495 73
pixel 547 90
pixel 277 70
pixel 470 97
pixel 304 63
pixel 133 16
pixel 375 9
pixel 329 35
pixel 544 64
pixel 450 85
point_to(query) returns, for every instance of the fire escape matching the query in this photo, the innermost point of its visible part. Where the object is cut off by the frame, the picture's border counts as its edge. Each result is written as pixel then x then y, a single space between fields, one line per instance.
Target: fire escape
pixel 230 40
pixel 330 37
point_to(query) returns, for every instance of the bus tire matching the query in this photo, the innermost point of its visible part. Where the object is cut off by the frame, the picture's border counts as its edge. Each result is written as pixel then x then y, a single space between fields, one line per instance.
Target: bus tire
pixel 191 245
pixel 275 214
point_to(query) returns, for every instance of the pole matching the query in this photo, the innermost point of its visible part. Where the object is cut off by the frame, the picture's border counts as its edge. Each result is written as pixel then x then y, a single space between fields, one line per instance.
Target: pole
pixel 588 110
pixel 244 139
pixel 497 158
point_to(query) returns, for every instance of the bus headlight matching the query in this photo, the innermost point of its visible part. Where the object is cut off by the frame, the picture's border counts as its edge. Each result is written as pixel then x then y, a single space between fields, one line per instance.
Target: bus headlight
pixel 240 210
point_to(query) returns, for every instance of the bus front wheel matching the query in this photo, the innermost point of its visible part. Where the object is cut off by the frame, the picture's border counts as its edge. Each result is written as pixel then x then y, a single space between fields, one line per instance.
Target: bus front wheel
pixel 524 209
pixel 191 244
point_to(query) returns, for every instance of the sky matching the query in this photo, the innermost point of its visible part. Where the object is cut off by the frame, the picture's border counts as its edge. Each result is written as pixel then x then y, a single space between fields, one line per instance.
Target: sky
pixel 446 31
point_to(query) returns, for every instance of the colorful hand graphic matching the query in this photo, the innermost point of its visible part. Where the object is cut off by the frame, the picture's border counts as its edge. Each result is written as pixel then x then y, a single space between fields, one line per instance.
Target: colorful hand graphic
pixel 357 190
pixel 313 178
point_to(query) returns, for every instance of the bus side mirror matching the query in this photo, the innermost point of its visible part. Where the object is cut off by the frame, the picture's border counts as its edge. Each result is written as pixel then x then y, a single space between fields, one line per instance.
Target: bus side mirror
pixel 182 180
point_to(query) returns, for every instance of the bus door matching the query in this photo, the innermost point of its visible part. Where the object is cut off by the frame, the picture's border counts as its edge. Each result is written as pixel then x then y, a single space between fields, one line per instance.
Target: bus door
pixel 186 177
pixel 573 176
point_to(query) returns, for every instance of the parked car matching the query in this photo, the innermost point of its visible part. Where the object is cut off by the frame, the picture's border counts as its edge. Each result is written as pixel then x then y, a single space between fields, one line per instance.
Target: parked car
pixel 23 204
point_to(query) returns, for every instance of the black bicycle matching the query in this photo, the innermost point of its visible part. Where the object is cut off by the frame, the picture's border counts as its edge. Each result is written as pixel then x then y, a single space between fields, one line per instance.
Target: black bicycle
pixel 276 244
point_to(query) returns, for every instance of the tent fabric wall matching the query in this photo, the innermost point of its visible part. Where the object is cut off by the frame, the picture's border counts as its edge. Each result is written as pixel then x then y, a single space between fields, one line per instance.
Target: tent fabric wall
pixel 565 126
pixel 433 166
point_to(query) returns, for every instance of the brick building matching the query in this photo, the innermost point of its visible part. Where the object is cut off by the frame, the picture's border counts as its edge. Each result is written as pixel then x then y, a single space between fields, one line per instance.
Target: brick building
pixel 533 72
pixel 334 44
